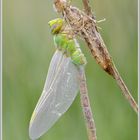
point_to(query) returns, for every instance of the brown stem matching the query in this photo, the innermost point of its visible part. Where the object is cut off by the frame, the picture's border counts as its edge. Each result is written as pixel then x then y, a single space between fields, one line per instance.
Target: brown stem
pixel 86 27
pixel 125 90
pixel 85 103
pixel 87 7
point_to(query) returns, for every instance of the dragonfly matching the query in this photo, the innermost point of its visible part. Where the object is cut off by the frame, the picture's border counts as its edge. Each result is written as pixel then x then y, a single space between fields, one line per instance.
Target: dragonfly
pixel 62 83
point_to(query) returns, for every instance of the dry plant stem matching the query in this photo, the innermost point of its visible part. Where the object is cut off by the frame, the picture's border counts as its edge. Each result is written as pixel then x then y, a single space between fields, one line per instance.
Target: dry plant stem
pixel 125 90
pixel 86 27
pixel 87 7
pixel 85 103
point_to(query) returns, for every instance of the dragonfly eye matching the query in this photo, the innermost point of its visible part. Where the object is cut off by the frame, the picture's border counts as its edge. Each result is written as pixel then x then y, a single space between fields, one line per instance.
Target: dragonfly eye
pixel 56 25
pixel 56 28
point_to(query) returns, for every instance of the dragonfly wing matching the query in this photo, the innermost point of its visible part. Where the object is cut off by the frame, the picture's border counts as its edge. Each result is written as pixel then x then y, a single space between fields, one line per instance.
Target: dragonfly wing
pixel 55 62
pixel 59 92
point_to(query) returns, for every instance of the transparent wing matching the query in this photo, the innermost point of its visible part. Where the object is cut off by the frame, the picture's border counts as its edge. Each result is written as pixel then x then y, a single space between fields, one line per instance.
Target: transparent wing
pixel 55 62
pixel 59 92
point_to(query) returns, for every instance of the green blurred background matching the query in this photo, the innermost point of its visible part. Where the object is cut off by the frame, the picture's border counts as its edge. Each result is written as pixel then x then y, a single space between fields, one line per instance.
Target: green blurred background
pixel 27 51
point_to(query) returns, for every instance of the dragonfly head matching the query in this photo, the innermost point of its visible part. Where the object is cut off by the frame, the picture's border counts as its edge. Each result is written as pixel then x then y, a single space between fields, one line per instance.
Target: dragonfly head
pixel 56 25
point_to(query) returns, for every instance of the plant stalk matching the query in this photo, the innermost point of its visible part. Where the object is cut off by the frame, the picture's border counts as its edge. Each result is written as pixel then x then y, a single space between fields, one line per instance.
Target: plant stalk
pixel 85 103
pixel 85 26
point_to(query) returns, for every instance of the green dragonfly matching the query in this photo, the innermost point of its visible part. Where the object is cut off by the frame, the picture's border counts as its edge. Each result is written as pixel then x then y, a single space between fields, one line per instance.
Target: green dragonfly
pixel 62 82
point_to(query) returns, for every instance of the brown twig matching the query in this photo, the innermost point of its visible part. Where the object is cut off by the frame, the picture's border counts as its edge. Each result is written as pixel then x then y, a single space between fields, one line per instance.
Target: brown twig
pixel 125 90
pixel 85 103
pixel 87 7
pixel 86 27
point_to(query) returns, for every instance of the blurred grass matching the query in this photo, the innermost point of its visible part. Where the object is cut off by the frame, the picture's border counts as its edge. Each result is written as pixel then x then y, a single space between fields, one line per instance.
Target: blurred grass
pixel 27 51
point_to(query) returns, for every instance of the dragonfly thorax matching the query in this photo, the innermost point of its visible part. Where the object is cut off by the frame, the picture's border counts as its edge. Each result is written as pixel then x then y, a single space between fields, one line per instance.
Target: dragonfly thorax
pixel 65 41
pixel 70 47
